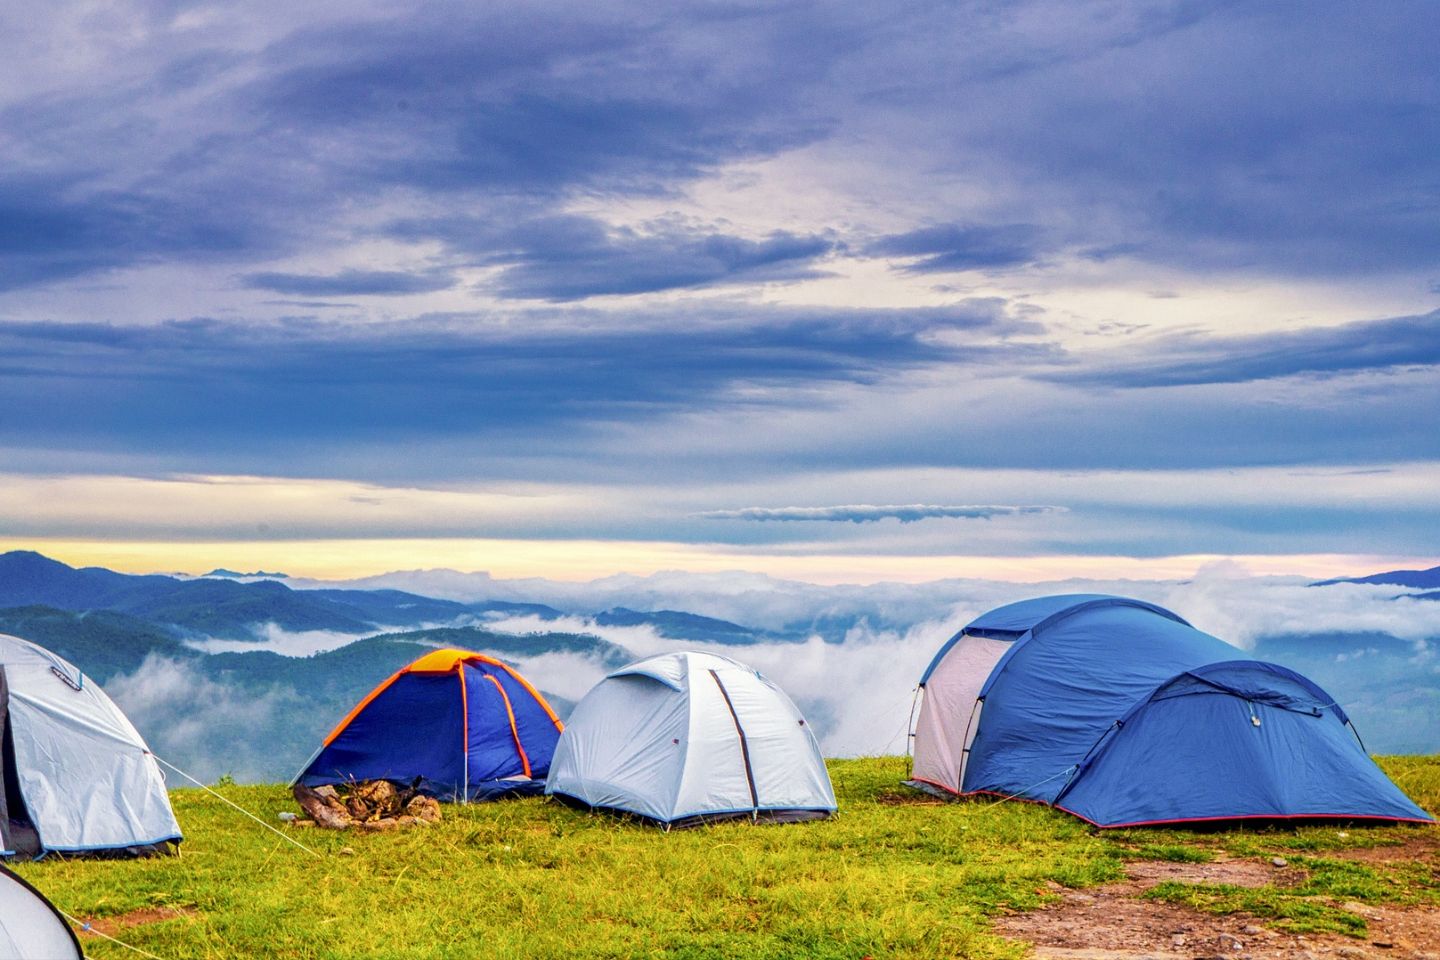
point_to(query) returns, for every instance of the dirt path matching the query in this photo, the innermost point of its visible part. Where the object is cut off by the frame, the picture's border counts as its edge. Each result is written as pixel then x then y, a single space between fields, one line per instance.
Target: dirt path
pixel 1111 922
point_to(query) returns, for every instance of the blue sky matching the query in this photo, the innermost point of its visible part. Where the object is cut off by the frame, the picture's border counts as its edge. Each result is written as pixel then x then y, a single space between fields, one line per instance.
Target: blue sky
pixel 910 287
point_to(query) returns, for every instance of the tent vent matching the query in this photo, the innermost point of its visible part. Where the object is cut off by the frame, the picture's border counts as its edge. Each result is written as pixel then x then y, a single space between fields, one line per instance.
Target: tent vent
pixel 69 680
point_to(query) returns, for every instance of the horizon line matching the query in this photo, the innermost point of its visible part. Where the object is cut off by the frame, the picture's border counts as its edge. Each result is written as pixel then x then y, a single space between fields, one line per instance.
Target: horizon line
pixel 588 560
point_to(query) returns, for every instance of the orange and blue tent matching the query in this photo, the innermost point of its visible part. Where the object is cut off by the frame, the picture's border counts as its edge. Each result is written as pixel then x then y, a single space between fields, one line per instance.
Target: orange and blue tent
pixel 459 725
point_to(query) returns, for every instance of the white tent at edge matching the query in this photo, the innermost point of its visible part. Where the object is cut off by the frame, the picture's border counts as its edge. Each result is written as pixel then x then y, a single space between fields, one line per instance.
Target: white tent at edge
pixel 685 738
pixel 78 778
pixel 30 926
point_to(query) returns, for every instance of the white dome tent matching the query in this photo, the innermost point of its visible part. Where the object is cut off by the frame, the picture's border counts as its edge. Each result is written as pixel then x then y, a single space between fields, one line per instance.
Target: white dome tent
pixel 30 926
pixel 685 738
pixel 78 778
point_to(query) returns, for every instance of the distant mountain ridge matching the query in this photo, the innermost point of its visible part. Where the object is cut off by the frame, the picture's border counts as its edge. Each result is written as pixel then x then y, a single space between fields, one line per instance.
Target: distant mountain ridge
pixel 214 607
pixel 225 608
pixel 233 575
pixel 678 625
pixel 1417 579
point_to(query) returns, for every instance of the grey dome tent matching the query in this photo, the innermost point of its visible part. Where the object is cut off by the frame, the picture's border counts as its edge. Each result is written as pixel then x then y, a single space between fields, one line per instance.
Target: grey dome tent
pixel 30 926
pixel 78 778
pixel 684 738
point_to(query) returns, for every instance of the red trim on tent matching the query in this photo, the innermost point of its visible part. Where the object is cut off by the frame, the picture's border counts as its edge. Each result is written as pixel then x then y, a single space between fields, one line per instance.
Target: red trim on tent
pixel 947 789
pixel 1160 823
pixel 962 795
pixel 1249 816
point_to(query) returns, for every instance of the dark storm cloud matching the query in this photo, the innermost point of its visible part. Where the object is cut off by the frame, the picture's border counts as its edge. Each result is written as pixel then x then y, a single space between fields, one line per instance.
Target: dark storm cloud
pixel 521 100
pixel 197 386
pixel 570 257
pixel 255 153
pixel 351 283
pixel 46 235
pixel 1352 347
pixel 954 247
pixel 1289 139
pixel 1286 138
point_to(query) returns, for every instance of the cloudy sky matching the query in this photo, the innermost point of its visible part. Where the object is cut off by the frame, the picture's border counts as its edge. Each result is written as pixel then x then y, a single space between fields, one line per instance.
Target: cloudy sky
pixel 839 292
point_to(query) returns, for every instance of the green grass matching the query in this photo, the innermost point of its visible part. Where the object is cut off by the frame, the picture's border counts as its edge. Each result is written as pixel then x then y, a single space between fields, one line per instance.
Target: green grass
pixel 893 876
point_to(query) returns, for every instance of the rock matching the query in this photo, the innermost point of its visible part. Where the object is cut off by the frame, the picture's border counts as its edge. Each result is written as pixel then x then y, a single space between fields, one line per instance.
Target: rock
pixel 423 808
pixel 1347 951
pixel 1252 930
pixel 380 825
pixel 1279 862
pixel 324 807
pixel 285 816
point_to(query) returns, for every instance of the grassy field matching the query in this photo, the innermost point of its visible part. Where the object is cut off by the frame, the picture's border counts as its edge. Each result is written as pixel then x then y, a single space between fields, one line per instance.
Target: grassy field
pixel 894 875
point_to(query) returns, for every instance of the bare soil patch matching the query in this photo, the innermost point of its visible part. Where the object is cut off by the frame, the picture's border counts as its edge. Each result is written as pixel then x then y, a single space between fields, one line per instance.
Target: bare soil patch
pixel 111 926
pixel 1423 846
pixel 910 798
pixel 1110 922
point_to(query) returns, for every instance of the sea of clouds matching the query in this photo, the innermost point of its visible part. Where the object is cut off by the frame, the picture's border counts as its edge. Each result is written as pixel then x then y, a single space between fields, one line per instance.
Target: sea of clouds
pixel 856 687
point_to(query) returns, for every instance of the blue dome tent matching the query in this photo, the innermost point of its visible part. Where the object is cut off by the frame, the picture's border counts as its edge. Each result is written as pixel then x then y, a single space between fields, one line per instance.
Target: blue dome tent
pixel 467 725
pixel 1121 713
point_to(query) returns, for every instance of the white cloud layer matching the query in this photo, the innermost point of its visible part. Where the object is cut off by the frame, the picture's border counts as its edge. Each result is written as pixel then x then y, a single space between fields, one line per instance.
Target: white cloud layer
pixel 870 513
pixel 855 683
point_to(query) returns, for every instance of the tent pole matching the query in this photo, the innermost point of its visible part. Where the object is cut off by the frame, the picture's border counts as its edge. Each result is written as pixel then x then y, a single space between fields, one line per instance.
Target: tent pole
pixel 910 733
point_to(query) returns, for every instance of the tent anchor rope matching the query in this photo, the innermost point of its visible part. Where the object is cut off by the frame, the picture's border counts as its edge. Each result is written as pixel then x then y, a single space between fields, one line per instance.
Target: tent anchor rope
pixel 87 928
pixel 224 799
pixel 1066 771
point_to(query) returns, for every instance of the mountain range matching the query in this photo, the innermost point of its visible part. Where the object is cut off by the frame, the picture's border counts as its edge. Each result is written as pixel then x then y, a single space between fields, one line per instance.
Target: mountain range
pixel 1416 579
pixel 194 660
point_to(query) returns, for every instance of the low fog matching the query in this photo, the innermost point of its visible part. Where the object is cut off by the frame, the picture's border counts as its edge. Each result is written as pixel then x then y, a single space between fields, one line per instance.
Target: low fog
pixel 856 684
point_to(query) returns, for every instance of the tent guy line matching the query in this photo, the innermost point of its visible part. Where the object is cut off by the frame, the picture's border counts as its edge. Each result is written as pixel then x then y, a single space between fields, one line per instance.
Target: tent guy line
pixel 224 799
pixel 90 929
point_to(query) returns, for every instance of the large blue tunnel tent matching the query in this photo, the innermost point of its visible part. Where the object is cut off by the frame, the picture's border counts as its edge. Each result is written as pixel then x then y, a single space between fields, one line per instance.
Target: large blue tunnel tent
pixel 466 725
pixel 1121 713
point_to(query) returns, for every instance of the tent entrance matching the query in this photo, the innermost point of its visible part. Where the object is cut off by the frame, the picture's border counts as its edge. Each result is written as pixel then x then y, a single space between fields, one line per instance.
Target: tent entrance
pixel 17 833
pixel 950 711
